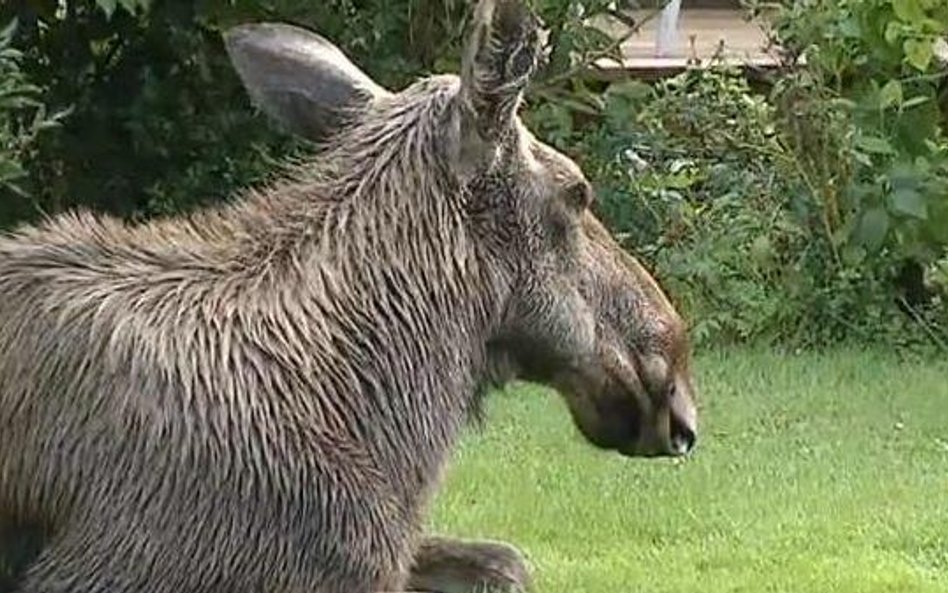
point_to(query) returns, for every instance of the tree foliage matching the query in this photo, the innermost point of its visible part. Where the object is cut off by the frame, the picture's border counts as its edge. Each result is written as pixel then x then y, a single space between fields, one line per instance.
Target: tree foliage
pixel 807 212
pixel 22 114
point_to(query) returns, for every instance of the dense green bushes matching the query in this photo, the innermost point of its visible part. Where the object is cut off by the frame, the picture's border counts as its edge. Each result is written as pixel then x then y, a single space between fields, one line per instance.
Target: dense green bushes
pixel 703 180
pixel 811 211
pixel 22 116
pixel 158 120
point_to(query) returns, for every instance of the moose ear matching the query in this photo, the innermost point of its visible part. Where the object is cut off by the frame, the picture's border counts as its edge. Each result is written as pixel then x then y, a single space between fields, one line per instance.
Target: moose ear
pixel 500 58
pixel 299 78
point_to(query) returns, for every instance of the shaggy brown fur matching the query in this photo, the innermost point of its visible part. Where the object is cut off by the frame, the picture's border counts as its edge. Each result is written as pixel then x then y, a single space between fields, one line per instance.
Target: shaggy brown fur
pixel 262 397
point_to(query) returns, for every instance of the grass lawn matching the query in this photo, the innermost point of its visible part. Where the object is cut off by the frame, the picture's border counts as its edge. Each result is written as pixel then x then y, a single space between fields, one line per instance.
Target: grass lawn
pixel 813 474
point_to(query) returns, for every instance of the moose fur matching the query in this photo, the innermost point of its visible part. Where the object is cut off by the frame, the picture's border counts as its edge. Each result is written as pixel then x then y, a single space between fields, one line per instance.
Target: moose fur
pixel 262 396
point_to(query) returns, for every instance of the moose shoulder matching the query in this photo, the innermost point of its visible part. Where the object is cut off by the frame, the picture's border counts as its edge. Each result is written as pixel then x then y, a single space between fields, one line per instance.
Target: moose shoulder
pixel 261 397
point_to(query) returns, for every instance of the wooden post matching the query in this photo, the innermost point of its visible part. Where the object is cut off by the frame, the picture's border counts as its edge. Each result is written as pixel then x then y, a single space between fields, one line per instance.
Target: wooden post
pixel 667 28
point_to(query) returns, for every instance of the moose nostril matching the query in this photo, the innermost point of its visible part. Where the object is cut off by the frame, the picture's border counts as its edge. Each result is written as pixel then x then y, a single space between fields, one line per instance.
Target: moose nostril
pixel 682 438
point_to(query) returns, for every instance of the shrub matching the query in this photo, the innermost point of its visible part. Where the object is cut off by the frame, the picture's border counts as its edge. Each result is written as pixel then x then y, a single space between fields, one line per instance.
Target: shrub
pixel 864 127
pixel 159 122
pixel 23 117
pixel 806 213
pixel 691 183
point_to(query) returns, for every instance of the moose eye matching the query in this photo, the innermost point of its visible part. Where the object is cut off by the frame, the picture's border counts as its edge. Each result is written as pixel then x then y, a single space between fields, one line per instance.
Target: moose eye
pixel 579 195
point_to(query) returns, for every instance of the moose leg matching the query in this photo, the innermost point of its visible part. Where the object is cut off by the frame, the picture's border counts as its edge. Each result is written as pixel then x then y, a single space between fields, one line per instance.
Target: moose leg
pixel 445 565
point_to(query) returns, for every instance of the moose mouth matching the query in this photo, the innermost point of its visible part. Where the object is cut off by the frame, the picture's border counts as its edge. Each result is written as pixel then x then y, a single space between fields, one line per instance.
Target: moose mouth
pixel 616 424
pixel 616 414
pixel 608 402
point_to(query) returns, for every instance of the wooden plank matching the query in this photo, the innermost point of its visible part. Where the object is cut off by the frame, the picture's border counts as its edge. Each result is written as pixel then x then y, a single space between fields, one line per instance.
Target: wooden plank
pixel 657 69
pixel 704 34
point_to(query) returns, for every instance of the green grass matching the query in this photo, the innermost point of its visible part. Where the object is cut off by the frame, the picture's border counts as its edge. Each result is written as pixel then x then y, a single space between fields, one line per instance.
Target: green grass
pixel 813 474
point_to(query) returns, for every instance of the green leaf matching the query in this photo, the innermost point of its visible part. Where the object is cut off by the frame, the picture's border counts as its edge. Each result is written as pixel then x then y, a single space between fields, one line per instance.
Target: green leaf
pixel 10 170
pixel 107 6
pixel 933 25
pixel 862 158
pixel 634 89
pixel 576 103
pixel 17 189
pixel 844 103
pixel 762 251
pixel 915 101
pixel 6 35
pixel 918 53
pixel 874 144
pixel 849 27
pixel 908 10
pixel 908 201
pixel 853 255
pixel 893 30
pixel 132 6
pixel 872 228
pixel 891 94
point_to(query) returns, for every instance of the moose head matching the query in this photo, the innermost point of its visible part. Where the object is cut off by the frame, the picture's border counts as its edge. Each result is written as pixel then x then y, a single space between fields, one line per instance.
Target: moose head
pixel 576 312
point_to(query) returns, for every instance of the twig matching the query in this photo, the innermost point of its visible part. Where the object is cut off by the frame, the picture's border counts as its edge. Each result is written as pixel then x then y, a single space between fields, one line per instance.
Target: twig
pixel 938 341
pixel 623 18
pixel 925 77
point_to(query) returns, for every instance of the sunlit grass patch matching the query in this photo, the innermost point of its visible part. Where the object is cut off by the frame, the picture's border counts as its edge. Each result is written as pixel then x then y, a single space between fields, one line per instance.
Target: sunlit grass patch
pixel 814 473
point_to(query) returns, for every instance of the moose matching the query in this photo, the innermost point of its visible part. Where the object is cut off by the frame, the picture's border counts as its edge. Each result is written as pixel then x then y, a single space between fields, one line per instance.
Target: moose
pixel 262 395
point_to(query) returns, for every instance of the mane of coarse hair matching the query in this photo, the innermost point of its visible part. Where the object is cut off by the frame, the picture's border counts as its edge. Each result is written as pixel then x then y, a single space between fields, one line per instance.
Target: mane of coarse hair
pixel 355 268
pixel 390 165
pixel 396 144
pixel 399 143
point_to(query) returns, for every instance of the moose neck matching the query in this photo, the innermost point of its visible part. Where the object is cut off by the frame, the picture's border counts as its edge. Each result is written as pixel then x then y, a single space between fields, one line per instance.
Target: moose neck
pixel 411 302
